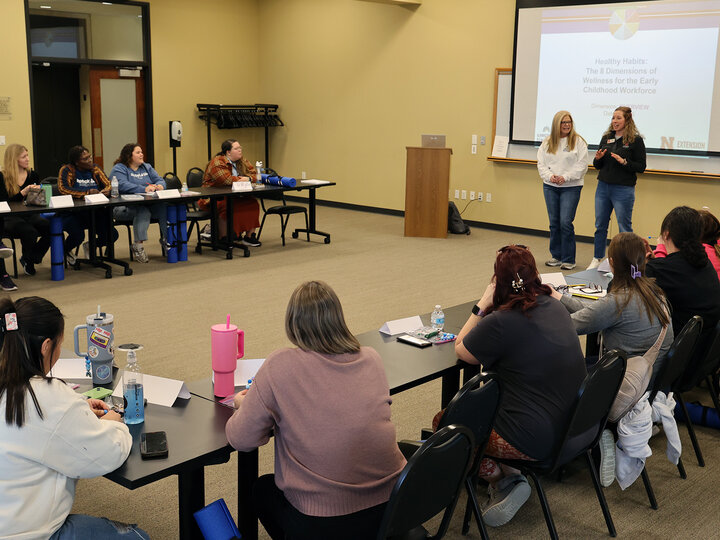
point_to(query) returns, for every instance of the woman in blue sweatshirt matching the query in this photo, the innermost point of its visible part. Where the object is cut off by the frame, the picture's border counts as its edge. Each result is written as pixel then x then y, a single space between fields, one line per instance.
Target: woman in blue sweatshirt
pixel 136 176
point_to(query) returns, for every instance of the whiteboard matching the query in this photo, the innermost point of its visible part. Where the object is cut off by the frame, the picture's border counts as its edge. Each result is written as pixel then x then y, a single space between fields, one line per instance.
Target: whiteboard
pixel 674 164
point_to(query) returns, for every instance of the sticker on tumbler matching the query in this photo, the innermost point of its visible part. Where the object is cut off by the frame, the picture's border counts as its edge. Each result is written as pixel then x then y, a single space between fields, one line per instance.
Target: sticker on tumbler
pixel 100 337
pixel 103 372
pixel 93 351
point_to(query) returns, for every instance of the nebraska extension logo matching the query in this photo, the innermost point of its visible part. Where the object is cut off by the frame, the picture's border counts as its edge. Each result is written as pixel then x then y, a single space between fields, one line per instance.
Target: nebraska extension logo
pixel 669 143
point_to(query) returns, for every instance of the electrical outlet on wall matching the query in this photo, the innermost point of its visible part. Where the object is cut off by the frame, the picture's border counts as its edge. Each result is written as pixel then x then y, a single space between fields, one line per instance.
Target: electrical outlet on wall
pixel 488 197
pixel 457 193
pixel 463 194
pixel 479 196
pixel 472 195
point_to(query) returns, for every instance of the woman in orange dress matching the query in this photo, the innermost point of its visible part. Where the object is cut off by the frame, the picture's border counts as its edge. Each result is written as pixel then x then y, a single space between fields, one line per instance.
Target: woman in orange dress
pixel 226 167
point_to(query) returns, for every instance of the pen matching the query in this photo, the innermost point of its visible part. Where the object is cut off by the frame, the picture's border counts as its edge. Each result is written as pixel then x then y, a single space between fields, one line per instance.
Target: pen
pixel 432 334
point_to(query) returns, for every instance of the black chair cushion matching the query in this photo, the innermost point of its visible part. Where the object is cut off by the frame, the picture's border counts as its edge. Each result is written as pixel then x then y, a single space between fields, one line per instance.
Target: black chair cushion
pixel 285 210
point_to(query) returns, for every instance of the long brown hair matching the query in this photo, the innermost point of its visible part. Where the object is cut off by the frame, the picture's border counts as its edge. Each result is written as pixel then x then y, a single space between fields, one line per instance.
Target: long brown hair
pixel 711 230
pixel 553 140
pixel 314 320
pixel 627 252
pixel 126 154
pixel 684 227
pixel 11 169
pixel 631 131
pixel 21 355
pixel 517 281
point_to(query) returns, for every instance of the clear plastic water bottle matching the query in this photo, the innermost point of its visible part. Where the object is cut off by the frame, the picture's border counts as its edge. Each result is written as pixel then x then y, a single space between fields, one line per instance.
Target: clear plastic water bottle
pixel 258 171
pixel 184 187
pixel 437 319
pixel 133 391
pixel 114 190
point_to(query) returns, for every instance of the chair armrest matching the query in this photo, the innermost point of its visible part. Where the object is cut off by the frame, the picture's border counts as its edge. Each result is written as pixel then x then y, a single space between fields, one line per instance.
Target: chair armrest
pixel 408 448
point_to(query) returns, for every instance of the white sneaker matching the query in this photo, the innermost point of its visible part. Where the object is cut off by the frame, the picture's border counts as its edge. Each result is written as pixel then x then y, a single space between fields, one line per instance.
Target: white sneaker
pixel 567 266
pixel 607 458
pixel 594 264
pixel 139 254
pixel 5 251
pixel 86 249
pixel 505 500
pixel 205 232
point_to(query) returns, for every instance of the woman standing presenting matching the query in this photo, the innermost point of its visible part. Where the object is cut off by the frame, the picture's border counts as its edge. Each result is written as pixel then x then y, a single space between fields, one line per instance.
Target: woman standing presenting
pixel 620 157
pixel 562 164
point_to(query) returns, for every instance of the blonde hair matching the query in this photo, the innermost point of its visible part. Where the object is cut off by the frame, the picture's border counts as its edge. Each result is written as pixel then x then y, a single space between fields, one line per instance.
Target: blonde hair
pixel 314 320
pixel 553 140
pixel 11 169
pixel 631 131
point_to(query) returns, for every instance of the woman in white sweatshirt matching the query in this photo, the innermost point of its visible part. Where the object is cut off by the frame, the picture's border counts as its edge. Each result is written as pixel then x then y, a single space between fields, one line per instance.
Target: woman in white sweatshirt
pixel 50 436
pixel 562 163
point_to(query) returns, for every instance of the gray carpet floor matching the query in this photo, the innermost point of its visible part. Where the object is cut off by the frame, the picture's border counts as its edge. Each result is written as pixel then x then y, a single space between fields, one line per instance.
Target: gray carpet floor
pixel 379 275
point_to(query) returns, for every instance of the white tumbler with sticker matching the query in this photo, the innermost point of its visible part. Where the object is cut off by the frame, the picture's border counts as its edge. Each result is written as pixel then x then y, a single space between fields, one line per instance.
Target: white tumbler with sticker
pixel 100 345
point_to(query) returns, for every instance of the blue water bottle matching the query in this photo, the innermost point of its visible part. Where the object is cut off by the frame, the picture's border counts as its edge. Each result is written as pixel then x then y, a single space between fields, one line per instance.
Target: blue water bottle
pixel 133 391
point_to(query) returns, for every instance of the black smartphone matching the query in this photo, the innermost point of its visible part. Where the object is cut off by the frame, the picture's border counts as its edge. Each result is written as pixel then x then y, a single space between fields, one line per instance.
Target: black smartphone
pixel 153 445
pixel 415 342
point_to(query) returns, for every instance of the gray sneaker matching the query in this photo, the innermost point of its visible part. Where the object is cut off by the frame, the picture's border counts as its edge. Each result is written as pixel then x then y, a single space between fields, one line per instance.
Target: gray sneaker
pixel 553 262
pixel 607 458
pixel 139 254
pixel 505 500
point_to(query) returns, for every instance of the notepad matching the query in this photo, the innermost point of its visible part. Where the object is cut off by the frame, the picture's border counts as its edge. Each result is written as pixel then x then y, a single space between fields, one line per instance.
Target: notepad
pixel 158 390
pixel 314 181
pixel 132 197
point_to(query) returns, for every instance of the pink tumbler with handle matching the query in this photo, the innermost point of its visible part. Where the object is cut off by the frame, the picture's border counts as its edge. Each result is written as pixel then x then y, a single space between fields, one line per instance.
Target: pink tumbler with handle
pixel 228 346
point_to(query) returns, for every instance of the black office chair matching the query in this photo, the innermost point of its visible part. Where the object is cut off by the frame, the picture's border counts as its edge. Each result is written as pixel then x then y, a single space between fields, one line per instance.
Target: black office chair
pixel 583 432
pixel 195 215
pixel 172 181
pixel 672 371
pixel 430 483
pixel 283 210
pixel 475 407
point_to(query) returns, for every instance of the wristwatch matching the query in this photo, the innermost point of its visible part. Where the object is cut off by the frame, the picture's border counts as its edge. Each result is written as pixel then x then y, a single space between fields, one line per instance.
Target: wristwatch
pixel 477 311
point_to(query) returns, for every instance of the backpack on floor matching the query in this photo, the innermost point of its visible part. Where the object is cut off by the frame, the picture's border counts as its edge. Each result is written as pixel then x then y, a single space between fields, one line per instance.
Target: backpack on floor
pixel 456 225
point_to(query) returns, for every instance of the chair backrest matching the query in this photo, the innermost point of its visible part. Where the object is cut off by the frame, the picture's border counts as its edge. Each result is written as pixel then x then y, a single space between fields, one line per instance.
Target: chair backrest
pixel 194 177
pixel 475 407
pixel 592 407
pixel 678 356
pixel 430 482
pixel 705 360
pixel 172 181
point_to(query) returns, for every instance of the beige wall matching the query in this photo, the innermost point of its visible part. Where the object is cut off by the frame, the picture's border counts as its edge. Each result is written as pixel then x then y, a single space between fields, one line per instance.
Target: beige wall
pixel 356 82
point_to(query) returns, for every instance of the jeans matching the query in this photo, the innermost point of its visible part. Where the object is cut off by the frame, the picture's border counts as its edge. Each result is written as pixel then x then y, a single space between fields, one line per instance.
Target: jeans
pixel 607 198
pixel 283 522
pixel 141 216
pixel 75 223
pixel 82 526
pixel 561 206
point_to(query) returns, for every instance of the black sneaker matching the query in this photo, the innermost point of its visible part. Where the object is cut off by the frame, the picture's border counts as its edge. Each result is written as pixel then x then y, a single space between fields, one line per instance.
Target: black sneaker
pixel 251 241
pixel 7 284
pixel 5 251
pixel 205 232
pixel 28 267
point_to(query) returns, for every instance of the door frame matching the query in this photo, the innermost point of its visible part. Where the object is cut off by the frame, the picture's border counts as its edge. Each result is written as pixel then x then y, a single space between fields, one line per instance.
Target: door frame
pixel 146 65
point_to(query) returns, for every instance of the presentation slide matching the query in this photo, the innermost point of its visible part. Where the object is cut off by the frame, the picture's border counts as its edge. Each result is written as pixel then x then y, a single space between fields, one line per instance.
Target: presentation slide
pixel 658 57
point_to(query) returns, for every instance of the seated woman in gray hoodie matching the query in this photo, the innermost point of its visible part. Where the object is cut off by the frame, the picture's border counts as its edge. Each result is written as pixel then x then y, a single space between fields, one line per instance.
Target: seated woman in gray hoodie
pixel 136 176
pixel 635 309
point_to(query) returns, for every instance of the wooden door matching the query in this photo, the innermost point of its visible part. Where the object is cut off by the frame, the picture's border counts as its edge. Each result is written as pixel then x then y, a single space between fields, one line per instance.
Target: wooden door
pixel 117 110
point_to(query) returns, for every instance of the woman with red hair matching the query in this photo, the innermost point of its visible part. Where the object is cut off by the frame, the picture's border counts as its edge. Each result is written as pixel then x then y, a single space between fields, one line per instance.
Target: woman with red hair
pixel 526 337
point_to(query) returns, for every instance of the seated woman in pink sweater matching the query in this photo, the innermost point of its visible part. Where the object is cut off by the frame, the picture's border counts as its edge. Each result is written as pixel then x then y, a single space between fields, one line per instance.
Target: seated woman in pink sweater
pixel 327 402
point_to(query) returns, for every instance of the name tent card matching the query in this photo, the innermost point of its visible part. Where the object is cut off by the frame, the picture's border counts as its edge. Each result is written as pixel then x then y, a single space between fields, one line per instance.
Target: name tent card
pixel 242 186
pixel 61 201
pixel 168 193
pixel 402 326
pixel 95 198
pixel 4 206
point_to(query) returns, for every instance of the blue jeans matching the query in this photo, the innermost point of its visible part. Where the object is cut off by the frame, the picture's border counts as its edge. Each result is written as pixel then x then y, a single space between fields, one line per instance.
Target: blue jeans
pixel 82 526
pixel 607 198
pixel 141 216
pixel 561 206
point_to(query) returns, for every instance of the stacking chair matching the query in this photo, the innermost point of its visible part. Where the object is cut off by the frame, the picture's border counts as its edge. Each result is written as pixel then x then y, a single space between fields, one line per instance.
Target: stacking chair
pixel 430 483
pixel 586 424
pixel 475 407
pixel 283 210
pixel 672 371
pixel 194 179
pixel 172 181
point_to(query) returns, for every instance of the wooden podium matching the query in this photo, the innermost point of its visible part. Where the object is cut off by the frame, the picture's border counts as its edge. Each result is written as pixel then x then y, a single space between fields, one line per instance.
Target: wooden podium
pixel 427 181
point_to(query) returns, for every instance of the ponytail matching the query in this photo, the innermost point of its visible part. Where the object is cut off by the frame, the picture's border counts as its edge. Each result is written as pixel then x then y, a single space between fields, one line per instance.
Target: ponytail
pixel 24 326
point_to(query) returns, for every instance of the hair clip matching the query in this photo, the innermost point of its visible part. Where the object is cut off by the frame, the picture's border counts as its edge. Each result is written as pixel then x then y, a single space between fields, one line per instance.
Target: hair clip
pixel 634 272
pixel 518 285
pixel 9 323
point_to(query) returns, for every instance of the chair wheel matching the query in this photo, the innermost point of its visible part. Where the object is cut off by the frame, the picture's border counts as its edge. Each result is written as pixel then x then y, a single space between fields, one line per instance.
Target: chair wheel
pixel 108 274
pixel 198 249
pixel 228 255
pixel 327 240
pixel 76 266
pixel 246 253
pixel 128 271
pixel 295 234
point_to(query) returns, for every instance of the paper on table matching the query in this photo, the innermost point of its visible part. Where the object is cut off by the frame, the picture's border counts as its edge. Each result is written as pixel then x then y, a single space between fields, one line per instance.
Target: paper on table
pixel 132 197
pixel 556 279
pixel 500 146
pixel 69 368
pixel 96 198
pixel 314 181
pixel 246 369
pixel 159 390
pixel 604 266
pixel 4 206
pixel 400 326
pixel 168 193
pixel 242 186
pixel 189 193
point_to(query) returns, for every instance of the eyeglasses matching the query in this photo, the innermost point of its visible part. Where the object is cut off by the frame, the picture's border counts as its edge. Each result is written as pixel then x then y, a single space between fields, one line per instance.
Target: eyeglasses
pixel 504 248
pixel 566 122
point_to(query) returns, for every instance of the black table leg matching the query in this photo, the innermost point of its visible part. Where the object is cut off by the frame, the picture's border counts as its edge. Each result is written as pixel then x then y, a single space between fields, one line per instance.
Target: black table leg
pixel 191 495
pixel 247 474
pixel 450 387
pixel 312 218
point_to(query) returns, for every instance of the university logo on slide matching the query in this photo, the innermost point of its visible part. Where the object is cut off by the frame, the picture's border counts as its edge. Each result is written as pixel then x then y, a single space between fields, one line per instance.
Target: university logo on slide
pixel 667 143
pixel 624 23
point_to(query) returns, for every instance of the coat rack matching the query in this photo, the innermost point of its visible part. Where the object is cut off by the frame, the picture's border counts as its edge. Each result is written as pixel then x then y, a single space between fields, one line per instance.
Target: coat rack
pixel 240 116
